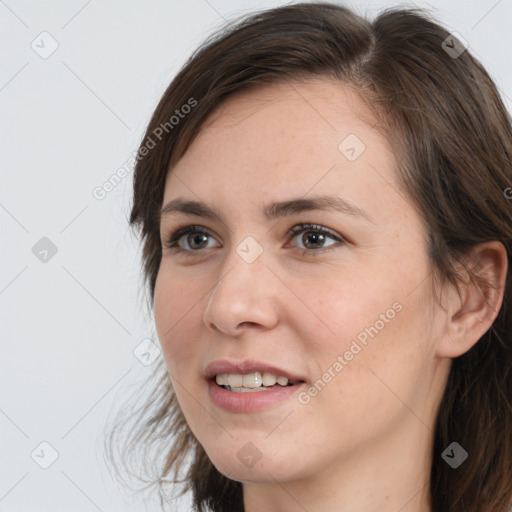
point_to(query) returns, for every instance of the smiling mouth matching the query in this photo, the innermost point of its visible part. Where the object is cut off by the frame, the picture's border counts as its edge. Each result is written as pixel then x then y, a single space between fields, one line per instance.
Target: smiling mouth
pixel 252 382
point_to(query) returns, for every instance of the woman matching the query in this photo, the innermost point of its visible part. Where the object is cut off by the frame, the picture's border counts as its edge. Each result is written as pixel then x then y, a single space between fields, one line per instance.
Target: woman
pixel 326 233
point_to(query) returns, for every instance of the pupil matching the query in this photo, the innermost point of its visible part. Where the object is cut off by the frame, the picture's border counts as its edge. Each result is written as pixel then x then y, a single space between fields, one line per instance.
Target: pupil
pixel 320 237
pixel 195 237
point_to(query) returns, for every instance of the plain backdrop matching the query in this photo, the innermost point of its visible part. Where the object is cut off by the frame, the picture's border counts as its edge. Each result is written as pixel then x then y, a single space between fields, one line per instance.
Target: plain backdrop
pixel 78 83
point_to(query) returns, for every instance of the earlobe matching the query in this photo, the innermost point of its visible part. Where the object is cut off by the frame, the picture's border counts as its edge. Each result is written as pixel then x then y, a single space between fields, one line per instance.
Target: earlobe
pixel 472 314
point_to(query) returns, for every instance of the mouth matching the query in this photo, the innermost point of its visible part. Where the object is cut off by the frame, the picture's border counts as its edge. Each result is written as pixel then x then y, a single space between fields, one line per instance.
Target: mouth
pixel 250 386
pixel 253 382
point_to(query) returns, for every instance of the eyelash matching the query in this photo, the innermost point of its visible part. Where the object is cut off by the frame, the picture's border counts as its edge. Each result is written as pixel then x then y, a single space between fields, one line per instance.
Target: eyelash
pixel 173 239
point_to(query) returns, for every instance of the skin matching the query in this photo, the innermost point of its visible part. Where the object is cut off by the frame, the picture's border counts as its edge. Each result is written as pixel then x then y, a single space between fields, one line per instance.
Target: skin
pixel 363 443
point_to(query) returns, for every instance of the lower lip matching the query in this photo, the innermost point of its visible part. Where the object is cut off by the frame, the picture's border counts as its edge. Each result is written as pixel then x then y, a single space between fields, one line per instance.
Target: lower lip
pixel 251 401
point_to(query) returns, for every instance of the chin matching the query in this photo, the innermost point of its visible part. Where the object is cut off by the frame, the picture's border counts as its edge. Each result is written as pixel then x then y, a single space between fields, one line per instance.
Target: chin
pixel 237 465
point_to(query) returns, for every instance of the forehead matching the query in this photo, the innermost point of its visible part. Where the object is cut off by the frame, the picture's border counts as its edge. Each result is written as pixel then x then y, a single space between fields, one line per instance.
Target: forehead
pixel 315 106
pixel 282 140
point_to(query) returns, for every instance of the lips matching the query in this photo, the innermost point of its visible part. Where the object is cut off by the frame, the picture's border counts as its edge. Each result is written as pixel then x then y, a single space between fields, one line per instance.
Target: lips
pixel 249 366
pixel 242 403
pixel 235 401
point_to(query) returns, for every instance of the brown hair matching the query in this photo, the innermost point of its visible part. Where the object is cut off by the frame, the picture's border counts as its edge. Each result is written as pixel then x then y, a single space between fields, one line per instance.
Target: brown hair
pixel 452 138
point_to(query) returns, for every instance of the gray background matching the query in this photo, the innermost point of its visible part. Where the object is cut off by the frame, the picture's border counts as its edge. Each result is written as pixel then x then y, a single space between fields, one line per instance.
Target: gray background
pixel 70 321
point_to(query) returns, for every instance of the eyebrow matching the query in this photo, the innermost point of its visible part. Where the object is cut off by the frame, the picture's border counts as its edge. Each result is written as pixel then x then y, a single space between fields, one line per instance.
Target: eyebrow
pixel 272 211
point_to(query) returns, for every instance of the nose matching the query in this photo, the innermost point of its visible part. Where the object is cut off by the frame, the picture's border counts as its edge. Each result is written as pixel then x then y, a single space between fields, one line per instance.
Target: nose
pixel 245 296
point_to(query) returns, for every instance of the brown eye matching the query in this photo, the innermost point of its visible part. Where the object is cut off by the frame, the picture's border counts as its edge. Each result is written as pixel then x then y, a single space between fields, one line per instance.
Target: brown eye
pixel 314 237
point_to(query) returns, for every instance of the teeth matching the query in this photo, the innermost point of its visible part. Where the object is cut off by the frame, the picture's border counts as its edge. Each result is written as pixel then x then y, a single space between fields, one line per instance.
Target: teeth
pixel 269 379
pixel 246 390
pixel 250 380
pixel 234 380
pixel 221 379
pixel 283 381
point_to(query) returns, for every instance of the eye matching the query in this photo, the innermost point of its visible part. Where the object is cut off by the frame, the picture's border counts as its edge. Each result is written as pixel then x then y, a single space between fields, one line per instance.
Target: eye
pixel 316 235
pixel 200 234
pixel 196 238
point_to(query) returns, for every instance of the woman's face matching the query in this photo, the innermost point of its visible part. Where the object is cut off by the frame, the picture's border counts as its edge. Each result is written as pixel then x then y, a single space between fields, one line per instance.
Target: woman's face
pixel 347 311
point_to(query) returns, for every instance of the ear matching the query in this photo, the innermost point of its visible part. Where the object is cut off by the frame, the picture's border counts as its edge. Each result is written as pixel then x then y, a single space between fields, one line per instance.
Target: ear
pixel 469 317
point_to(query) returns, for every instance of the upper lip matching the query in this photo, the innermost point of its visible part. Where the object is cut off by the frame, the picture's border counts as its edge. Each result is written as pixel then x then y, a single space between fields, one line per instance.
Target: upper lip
pixel 247 366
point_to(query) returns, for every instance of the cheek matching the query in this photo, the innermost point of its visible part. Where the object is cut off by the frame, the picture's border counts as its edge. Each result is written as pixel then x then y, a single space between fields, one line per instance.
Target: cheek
pixel 363 387
pixel 374 331
pixel 176 310
pixel 355 308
